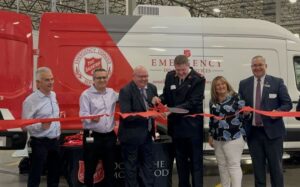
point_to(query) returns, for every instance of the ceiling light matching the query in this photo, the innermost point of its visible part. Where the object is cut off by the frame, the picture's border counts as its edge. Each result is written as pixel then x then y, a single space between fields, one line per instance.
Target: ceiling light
pixel 216 10
pixel 293 1
pixel 297 35
pixel 158 49
pixel 159 27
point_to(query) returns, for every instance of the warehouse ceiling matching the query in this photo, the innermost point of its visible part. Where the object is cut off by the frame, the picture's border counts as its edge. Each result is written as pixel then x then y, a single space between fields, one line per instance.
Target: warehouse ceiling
pixel 282 12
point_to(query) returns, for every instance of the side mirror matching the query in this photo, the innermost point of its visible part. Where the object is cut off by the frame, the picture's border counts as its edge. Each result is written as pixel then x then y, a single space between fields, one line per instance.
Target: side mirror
pixel 12 140
pixel 9 140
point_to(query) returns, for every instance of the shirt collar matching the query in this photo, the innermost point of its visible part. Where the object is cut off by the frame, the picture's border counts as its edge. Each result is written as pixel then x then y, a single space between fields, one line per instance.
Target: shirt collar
pixel 146 87
pixel 41 94
pixel 94 90
pixel 262 79
pixel 190 69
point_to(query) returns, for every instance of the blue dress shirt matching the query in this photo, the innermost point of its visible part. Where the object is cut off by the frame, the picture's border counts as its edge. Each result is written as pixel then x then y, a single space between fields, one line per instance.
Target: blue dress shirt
pixel 93 102
pixel 38 105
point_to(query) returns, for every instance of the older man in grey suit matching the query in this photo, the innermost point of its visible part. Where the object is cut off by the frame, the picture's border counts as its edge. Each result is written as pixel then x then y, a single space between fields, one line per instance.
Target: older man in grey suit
pixel 265 134
pixel 135 131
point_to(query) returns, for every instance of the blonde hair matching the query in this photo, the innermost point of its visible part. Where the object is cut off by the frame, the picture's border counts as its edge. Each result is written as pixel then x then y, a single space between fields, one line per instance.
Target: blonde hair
pixel 213 93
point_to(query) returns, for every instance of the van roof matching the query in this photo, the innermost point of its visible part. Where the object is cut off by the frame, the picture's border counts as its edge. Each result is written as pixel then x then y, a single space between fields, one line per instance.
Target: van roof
pixel 234 27
pixel 214 26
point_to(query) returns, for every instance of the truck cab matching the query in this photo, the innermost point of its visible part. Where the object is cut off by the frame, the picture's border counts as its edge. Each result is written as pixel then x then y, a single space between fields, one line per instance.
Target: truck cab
pixel 16 74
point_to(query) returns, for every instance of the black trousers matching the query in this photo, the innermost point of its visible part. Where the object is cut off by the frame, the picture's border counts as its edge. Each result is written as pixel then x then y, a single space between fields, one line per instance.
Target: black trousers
pixel 102 148
pixel 189 160
pixel 264 150
pixel 44 150
pixel 138 161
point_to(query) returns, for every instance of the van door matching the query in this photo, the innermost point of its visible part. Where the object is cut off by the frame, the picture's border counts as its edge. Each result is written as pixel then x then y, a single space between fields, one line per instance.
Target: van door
pixel 16 72
pixel 293 129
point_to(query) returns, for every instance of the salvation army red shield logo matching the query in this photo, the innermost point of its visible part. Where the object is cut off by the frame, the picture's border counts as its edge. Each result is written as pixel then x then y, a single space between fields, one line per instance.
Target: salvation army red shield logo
pixel 98 175
pixel 91 64
pixel 187 53
pixel 89 59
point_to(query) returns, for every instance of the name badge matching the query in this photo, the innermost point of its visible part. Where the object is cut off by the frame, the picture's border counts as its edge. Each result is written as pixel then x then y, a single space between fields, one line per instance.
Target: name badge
pixel 173 87
pixel 89 139
pixel 272 96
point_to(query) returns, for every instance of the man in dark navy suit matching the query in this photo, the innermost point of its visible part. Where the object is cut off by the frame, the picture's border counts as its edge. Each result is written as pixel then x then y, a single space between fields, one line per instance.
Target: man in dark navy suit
pixel 265 134
pixel 184 88
pixel 135 131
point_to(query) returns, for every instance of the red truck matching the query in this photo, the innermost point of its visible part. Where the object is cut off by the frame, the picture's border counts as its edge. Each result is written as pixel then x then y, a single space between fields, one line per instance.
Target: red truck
pixel 69 45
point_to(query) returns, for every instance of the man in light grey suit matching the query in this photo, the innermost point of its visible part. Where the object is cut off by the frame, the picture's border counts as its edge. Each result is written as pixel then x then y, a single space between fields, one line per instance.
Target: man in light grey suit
pixel 265 134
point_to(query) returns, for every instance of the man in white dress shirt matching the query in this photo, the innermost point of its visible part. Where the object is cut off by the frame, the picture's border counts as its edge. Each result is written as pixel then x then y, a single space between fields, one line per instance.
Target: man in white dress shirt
pixel 99 137
pixel 44 137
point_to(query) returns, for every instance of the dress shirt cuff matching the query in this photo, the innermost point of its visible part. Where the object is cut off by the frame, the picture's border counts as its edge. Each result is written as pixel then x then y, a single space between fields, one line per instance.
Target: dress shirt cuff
pixel 37 127
pixel 87 121
pixel 247 116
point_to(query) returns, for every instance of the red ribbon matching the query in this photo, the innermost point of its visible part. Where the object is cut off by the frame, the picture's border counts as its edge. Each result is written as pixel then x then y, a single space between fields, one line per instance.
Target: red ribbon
pixel 156 112
pixel 21 123
pixel 271 113
pixel 249 109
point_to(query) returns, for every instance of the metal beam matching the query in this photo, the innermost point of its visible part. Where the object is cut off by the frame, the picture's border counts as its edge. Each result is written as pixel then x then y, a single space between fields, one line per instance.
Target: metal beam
pixel 278 11
pixel 53 5
pixel 130 6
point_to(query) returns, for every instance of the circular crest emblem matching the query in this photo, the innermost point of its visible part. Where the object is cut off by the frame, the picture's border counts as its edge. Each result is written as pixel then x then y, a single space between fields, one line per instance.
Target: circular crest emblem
pixel 89 59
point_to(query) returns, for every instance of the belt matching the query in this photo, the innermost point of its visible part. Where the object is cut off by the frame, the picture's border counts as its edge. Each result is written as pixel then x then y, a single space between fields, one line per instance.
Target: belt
pixel 86 133
pixel 258 127
pixel 220 139
pixel 43 138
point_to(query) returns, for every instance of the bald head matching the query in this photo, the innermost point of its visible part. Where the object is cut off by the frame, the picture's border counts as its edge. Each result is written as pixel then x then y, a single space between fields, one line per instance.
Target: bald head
pixel 140 76
pixel 139 69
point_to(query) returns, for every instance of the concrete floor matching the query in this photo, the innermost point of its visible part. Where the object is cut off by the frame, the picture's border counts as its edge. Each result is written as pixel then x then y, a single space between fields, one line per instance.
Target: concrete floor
pixel 10 177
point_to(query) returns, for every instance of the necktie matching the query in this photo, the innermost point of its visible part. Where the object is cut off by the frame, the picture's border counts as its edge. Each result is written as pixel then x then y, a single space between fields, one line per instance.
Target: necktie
pixel 257 117
pixel 144 96
pixel 180 81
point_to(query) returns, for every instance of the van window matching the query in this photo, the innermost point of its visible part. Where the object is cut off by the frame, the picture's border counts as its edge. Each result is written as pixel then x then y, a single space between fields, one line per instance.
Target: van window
pixel 297 71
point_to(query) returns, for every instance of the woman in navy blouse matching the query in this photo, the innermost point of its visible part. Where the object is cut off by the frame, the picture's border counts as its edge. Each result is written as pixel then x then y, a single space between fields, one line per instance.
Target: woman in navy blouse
pixel 226 134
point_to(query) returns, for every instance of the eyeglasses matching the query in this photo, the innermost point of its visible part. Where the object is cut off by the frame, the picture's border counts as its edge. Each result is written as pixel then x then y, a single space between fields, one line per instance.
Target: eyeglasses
pixel 257 65
pixel 100 78
pixel 142 76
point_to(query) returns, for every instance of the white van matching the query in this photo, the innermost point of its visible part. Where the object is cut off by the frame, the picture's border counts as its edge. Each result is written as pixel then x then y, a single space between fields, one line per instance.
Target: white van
pixel 215 46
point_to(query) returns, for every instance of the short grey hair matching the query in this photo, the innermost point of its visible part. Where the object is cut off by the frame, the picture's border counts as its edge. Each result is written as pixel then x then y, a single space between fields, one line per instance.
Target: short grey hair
pixel 139 68
pixel 258 57
pixel 41 70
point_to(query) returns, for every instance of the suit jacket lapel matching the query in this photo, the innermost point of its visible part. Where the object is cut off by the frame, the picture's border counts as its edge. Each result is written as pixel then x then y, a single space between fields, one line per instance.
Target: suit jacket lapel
pixel 251 87
pixel 149 95
pixel 174 83
pixel 264 96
